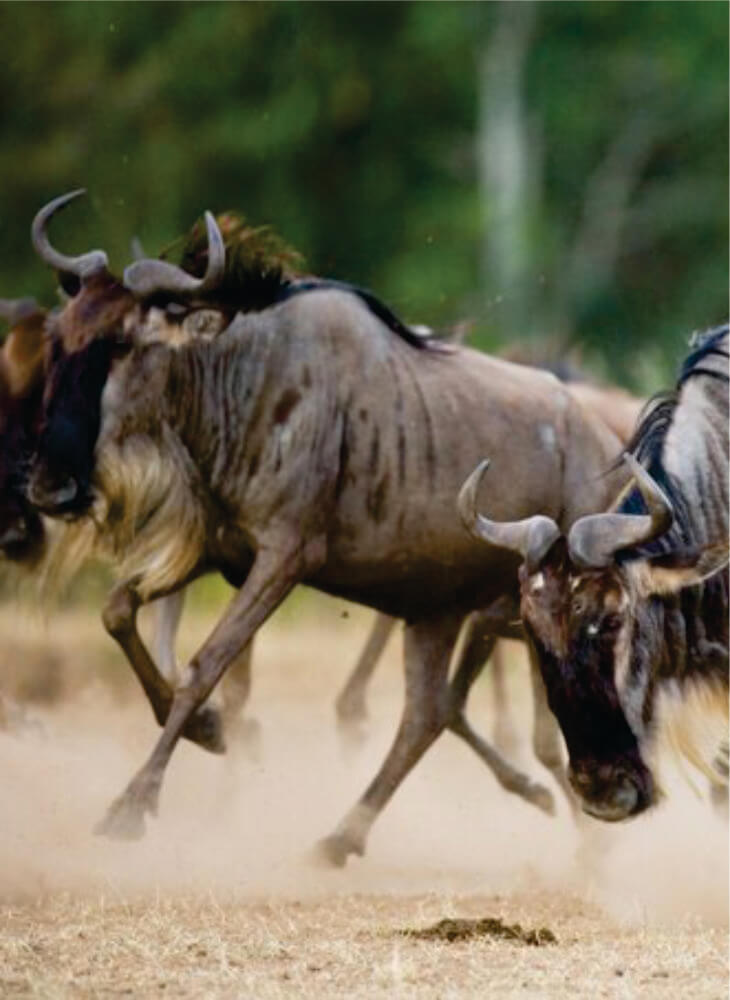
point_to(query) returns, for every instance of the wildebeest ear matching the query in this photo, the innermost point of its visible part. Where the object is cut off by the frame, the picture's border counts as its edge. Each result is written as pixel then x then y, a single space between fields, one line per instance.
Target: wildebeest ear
pixel 671 573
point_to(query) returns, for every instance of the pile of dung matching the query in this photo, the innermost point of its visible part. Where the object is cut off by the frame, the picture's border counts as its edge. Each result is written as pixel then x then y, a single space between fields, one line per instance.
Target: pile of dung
pixel 461 929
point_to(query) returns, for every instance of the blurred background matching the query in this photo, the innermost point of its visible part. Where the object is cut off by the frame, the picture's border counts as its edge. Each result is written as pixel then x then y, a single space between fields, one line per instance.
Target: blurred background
pixel 555 172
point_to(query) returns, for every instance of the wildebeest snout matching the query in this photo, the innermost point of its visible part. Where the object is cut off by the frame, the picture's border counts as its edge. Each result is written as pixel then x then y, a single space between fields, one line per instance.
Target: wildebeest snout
pixel 53 493
pixel 612 792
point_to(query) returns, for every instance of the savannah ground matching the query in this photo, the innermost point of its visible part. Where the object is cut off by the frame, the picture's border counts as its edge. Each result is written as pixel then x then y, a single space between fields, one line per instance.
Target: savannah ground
pixel 221 899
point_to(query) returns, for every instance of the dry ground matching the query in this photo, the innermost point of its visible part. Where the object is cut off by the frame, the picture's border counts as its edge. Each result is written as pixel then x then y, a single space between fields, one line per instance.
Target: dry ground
pixel 221 898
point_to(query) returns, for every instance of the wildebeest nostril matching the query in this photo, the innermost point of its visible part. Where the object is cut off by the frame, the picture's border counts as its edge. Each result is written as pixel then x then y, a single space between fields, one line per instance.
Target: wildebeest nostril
pixel 50 499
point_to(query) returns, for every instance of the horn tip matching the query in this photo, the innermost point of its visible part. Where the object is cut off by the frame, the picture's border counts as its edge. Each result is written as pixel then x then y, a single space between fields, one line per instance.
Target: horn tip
pixel 468 493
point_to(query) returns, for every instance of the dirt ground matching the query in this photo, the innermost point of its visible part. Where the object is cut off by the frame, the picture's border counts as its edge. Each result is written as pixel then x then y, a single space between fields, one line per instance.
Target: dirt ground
pixel 221 899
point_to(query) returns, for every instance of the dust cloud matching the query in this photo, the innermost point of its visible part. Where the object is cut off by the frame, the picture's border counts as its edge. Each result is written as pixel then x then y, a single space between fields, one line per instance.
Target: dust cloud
pixel 243 825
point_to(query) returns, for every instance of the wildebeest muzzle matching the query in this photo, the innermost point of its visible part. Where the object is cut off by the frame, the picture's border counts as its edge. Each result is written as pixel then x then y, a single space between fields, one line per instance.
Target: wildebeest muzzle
pixel 612 791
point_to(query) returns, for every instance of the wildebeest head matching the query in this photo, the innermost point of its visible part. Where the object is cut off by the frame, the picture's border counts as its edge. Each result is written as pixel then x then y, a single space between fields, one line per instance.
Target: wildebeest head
pixel 99 324
pixel 21 379
pixel 588 613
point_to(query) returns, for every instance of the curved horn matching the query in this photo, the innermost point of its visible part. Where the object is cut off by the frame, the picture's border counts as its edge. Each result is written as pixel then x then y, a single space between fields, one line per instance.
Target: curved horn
pixel 147 277
pixel 82 266
pixel 594 540
pixel 15 310
pixel 531 537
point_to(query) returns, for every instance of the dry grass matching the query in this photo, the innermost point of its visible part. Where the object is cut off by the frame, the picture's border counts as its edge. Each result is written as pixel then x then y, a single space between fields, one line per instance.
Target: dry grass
pixel 220 899
pixel 344 946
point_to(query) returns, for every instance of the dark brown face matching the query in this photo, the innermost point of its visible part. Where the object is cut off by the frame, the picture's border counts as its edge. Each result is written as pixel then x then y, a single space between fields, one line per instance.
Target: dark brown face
pixel 21 529
pixel 580 626
pixel 82 344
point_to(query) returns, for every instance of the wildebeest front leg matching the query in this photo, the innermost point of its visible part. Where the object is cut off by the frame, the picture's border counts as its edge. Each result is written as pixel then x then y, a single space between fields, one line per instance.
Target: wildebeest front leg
pixel 350 704
pixel 428 647
pixel 477 648
pixel 120 620
pixel 272 576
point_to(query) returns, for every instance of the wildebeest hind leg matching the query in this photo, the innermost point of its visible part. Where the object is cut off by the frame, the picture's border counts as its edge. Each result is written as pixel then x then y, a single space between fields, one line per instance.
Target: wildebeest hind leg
pixel 120 620
pixel 428 647
pixel 350 705
pixel 274 573
pixel 476 650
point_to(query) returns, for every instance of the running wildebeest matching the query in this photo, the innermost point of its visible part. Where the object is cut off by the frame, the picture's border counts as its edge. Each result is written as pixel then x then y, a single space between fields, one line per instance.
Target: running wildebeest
pixel 24 534
pixel 27 539
pixel 256 263
pixel 320 442
pixel 21 383
pixel 628 612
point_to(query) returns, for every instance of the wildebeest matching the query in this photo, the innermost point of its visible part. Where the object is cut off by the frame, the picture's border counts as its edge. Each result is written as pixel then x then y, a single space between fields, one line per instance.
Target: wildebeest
pixel 24 534
pixel 317 442
pixel 257 264
pixel 628 612
pixel 21 377
pixel 21 380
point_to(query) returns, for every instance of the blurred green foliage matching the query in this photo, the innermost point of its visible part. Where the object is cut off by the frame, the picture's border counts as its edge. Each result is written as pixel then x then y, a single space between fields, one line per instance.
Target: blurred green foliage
pixel 549 169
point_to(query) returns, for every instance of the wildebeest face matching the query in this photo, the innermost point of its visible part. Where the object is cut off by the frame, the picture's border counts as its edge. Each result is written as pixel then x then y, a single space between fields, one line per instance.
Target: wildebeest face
pixel 581 628
pixel 21 383
pixel 82 344
pixel 21 529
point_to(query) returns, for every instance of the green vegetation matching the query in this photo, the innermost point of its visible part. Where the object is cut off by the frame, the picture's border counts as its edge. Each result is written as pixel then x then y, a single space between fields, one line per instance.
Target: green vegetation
pixel 549 169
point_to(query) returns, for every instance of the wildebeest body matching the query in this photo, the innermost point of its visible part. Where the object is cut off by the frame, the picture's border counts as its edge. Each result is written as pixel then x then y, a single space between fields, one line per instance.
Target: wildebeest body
pixel 313 412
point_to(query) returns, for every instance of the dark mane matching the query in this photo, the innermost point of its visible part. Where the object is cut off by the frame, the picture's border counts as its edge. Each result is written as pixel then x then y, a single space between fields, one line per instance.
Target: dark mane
pixel 704 344
pixel 259 264
pixel 647 444
pixel 262 270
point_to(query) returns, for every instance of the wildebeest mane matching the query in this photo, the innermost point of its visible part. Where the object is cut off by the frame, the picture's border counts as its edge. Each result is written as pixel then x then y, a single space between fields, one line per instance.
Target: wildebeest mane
pixel 647 444
pixel 259 264
pixel 262 270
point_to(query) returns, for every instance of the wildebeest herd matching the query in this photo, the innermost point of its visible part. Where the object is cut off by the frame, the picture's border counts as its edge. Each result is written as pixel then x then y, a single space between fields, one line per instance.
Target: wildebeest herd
pixel 231 415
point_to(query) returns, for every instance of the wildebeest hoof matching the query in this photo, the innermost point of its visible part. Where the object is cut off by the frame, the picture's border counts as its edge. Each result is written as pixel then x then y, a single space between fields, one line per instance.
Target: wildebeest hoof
pixel 124 820
pixel 206 729
pixel 333 851
pixel 121 824
pixel 125 817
